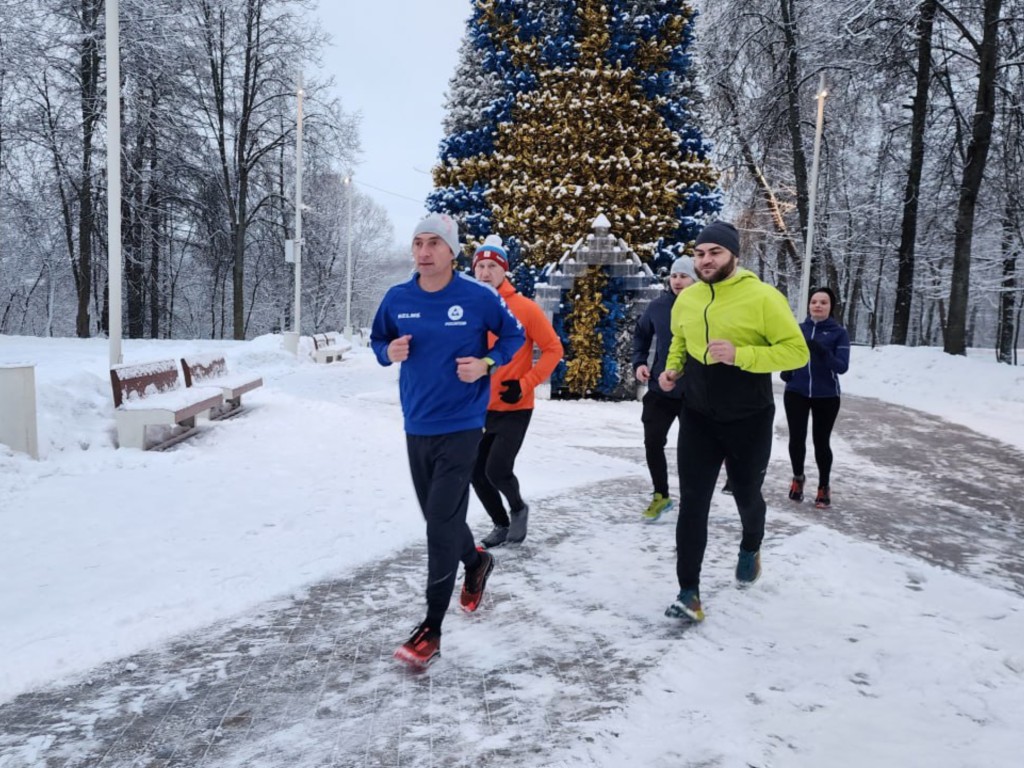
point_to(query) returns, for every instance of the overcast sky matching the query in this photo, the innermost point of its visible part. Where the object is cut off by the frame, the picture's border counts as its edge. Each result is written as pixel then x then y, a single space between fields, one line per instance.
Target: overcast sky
pixel 391 60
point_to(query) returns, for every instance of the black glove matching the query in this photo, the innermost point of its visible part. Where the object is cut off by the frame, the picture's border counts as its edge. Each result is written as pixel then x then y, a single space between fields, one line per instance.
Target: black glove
pixel 786 375
pixel 814 347
pixel 512 393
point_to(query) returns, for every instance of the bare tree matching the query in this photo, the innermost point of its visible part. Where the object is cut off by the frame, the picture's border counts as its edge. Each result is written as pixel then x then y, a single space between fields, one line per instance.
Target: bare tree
pixel 911 195
pixel 987 50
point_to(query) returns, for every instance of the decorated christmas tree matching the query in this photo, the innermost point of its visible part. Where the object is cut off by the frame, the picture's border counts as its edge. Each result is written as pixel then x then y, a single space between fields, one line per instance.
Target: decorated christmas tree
pixel 564 110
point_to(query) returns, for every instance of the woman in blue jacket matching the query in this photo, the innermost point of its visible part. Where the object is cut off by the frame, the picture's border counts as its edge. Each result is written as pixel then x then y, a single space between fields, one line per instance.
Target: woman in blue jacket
pixel 814 391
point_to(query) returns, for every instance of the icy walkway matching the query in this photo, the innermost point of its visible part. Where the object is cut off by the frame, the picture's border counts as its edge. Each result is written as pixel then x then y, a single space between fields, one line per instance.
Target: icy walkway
pixel 309 682
pixel 313 683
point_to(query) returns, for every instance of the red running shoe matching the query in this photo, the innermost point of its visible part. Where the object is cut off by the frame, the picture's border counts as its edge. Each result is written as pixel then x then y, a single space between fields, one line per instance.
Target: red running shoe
pixel 824 498
pixel 422 647
pixel 796 488
pixel 476 580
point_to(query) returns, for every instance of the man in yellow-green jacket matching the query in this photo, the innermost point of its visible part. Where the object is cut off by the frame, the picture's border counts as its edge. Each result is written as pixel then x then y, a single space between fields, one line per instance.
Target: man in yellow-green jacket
pixel 730 332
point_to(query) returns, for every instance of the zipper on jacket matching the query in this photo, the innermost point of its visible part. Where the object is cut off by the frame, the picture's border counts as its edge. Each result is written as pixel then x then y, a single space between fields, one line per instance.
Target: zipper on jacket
pixel 810 373
pixel 707 325
pixel 707 340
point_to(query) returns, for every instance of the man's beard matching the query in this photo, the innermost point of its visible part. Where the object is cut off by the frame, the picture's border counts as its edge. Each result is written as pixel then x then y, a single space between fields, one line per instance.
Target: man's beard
pixel 722 272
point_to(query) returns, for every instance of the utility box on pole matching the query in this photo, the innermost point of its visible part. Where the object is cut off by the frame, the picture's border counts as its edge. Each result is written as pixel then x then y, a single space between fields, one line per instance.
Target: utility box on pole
pixel 18 407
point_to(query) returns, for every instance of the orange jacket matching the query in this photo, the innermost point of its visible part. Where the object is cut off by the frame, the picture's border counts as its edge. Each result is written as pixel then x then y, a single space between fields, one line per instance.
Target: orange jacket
pixel 538 331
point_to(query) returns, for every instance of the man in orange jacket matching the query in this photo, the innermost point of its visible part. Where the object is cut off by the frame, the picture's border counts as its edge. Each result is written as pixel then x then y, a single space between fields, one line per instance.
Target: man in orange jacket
pixel 511 405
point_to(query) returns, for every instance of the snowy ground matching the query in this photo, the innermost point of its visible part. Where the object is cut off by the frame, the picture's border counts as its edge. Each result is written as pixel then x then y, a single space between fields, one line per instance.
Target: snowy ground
pixel 848 652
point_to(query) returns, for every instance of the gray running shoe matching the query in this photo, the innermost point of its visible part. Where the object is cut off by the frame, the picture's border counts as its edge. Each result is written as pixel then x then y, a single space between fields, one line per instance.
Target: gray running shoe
pixel 496 537
pixel 517 528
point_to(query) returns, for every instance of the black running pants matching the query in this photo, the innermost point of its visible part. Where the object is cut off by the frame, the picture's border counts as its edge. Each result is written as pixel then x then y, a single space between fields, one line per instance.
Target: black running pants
pixel 658 414
pixel 494 472
pixel 823 412
pixel 704 443
pixel 441 466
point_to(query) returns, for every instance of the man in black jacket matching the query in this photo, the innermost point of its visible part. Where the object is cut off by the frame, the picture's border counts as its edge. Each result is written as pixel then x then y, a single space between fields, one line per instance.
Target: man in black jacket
pixel 661 407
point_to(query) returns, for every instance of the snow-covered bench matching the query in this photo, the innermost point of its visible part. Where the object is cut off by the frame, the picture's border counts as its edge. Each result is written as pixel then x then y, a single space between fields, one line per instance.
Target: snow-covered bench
pixel 151 395
pixel 329 347
pixel 212 371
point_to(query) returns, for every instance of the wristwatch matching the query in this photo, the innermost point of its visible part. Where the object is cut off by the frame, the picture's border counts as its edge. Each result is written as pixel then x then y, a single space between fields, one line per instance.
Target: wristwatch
pixel 490 365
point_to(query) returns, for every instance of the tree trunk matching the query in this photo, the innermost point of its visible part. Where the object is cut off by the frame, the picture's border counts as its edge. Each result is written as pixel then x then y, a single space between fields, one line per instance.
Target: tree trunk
pixel 238 264
pixel 971 180
pixel 793 112
pixel 787 247
pixel 908 233
pixel 153 229
pixel 854 304
pixel 132 213
pixel 1008 294
pixel 89 74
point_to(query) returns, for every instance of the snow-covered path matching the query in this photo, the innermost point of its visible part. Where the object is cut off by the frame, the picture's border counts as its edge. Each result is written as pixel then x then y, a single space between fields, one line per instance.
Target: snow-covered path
pixel 894 626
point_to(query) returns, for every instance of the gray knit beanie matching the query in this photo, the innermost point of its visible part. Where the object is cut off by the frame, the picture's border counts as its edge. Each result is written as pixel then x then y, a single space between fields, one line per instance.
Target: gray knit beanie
pixel 720 233
pixel 444 226
pixel 684 266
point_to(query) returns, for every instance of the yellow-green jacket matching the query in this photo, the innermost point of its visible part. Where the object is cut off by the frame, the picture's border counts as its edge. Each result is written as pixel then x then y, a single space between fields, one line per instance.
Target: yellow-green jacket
pixel 757 319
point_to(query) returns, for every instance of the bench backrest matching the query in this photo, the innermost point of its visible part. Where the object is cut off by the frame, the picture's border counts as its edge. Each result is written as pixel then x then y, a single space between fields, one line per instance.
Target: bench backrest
pixel 141 379
pixel 197 369
pixel 324 339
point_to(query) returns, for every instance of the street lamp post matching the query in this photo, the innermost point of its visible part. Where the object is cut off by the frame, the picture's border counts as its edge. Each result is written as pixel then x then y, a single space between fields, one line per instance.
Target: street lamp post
pixel 348 262
pixel 291 340
pixel 805 279
pixel 113 53
pixel 298 212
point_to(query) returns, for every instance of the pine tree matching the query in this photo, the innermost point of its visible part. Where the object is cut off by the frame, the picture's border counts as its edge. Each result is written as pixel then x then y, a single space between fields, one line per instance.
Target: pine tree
pixel 561 110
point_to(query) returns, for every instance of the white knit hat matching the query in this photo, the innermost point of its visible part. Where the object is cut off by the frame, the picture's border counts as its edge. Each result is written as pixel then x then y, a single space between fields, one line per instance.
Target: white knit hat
pixel 684 266
pixel 442 225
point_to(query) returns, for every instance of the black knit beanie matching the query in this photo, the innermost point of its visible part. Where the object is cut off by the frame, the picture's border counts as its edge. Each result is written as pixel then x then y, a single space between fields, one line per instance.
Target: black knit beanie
pixel 720 233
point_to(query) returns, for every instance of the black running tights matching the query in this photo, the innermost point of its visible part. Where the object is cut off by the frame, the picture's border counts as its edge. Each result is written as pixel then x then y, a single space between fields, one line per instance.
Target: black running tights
pixel 745 446
pixel 823 411
pixel 441 466
pixel 658 415
pixel 494 471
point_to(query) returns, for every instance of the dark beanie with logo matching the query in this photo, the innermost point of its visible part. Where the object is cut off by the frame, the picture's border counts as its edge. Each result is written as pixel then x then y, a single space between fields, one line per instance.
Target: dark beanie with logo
pixel 720 233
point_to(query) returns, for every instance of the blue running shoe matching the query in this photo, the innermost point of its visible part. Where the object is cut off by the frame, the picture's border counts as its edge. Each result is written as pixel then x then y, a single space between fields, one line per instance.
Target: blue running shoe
pixel 748 567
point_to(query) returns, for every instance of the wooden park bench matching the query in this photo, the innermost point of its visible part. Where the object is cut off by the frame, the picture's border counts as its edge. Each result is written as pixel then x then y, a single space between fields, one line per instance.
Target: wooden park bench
pixel 151 395
pixel 329 347
pixel 212 371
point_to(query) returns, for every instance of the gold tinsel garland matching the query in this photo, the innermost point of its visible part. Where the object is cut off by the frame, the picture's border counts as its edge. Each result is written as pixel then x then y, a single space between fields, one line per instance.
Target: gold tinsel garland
pixel 583 371
pixel 585 140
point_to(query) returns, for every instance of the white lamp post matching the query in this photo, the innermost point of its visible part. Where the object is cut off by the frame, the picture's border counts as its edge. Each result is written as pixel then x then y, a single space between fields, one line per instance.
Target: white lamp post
pixel 113 53
pixel 805 280
pixel 348 262
pixel 291 340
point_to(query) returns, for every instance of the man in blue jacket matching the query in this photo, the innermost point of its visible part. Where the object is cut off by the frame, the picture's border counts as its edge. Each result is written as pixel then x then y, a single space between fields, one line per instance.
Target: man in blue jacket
pixel 661 407
pixel 436 325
